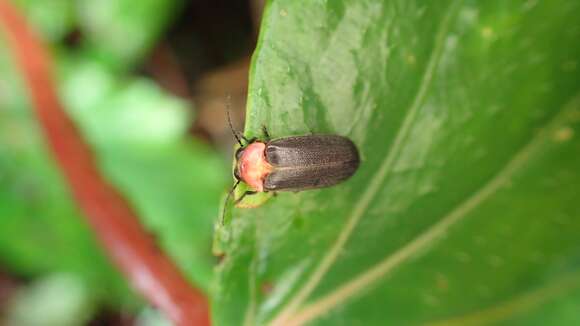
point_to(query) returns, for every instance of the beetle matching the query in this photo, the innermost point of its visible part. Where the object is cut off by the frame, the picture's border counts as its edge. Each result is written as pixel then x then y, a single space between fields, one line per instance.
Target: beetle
pixel 296 163
pixel 293 163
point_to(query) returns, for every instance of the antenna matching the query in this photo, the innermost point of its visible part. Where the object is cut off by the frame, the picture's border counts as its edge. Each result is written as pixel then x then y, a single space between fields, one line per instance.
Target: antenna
pixel 226 201
pixel 234 132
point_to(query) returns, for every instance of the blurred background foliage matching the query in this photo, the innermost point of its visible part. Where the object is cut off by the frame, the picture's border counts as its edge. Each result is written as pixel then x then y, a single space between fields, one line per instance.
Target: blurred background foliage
pixel 146 81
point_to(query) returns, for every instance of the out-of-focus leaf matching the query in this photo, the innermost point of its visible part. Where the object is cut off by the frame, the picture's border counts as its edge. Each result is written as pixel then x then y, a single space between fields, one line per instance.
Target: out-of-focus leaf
pixel 176 190
pixel 53 19
pixel 151 317
pixel 465 207
pixel 121 31
pixel 113 111
pixel 54 300
pixel 41 230
pixel 138 134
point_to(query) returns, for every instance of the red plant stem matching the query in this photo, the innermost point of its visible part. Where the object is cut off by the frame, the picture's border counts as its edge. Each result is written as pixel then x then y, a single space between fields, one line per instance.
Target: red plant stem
pixel 114 222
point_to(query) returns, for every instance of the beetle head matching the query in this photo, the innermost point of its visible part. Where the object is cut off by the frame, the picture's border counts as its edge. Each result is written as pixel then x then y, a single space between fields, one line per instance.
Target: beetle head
pixel 252 166
pixel 239 153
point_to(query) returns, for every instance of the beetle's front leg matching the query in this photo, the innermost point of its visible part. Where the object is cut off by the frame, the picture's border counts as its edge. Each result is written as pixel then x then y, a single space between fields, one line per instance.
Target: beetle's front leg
pixel 247 192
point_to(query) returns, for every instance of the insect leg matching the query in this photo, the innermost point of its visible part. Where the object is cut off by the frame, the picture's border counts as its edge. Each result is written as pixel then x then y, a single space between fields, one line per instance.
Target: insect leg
pixel 266 134
pixel 244 195
pixel 226 201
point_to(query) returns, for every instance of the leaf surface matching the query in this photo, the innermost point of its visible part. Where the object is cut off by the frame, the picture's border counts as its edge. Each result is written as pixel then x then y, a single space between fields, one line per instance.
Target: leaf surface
pixel 465 207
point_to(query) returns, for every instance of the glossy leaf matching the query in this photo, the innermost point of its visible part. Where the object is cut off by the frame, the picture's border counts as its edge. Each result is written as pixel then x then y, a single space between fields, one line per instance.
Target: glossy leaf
pixel 465 207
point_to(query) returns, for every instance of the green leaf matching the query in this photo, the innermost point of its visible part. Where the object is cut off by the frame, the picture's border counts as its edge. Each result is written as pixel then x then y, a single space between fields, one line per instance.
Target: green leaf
pixel 41 230
pixel 176 191
pixel 59 299
pixel 465 207
pixel 138 134
pixel 122 31
pixel 53 19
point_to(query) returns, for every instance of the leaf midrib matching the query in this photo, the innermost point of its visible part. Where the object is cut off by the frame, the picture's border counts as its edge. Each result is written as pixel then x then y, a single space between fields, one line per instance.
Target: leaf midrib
pixel 376 272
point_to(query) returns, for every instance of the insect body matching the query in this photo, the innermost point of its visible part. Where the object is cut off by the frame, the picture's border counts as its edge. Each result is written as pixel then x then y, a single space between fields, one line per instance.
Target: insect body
pixel 296 163
pixel 293 163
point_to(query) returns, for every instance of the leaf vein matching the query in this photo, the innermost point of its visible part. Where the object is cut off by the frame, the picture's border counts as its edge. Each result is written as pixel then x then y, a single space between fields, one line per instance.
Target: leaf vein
pixel 375 184
pixel 516 305
pixel 375 273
